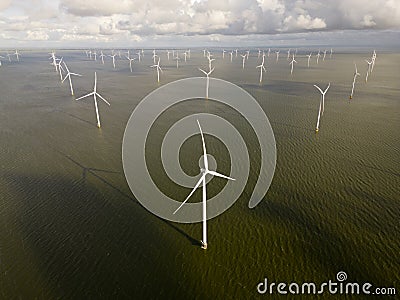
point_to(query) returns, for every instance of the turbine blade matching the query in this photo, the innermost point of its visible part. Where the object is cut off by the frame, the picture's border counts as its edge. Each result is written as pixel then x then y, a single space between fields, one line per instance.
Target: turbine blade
pixel 327 88
pixel 102 98
pixel 318 88
pixel 191 193
pixel 90 94
pixel 65 77
pixel 204 147
pixel 219 175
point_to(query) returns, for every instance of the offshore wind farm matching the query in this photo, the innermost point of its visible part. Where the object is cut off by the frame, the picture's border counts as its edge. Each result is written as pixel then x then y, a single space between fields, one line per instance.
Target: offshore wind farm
pixel 71 226
pixel 199 149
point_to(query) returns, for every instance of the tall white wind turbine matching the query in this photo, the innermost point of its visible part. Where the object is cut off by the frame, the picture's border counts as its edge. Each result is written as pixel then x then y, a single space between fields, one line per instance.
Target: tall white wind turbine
pixel 60 68
pixel 202 180
pixel 323 96
pixel 208 79
pixel 69 77
pixel 243 59
pixel 95 93
pixel 262 69
pixel 131 60
pixel 158 68
pixel 113 59
pixel 321 105
pixel 292 64
pixel 277 55
pixel 177 60
pixel 354 81
pixel 318 56
pixel 102 57
pixel 17 54
pixel 368 69
pixel 308 59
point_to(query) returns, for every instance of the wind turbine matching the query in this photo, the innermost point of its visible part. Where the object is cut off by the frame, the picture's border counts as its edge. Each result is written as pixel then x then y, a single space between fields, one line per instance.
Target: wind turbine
pixel 330 55
pixel 262 68
pixel 102 56
pixel 308 61
pixel 113 55
pixel 236 50
pixel 354 81
pixel 54 62
pixel 223 53
pixel 277 55
pixel 288 54
pixel 168 53
pixel 323 59
pixel 130 62
pixel 95 93
pixel 292 63
pixel 95 55
pixel 318 56
pixel 204 171
pixel 243 59
pixel 1 57
pixel 323 95
pixel 373 60
pixel 60 68
pixel 185 55
pixel 231 54
pixel 158 68
pixel 177 60
pixel 321 104
pixel 139 55
pixel 368 69
pixel 69 77
pixel 210 60
pixel 17 54
pixel 154 56
pixel 9 56
pixel 208 79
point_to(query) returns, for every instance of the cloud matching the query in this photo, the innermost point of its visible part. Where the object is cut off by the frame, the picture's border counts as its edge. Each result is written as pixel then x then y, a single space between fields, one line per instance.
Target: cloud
pixel 37 36
pixel 96 7
pixel 303 22
pixel 4 4
pixel 131 20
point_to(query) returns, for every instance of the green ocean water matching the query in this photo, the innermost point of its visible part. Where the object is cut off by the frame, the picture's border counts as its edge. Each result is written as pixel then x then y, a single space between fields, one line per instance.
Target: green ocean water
pixel 70 228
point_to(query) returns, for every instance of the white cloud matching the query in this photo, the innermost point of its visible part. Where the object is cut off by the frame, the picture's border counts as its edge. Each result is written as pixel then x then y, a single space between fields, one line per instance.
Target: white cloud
pixel 37 36
pixel 104 20
pixel 303 22
pixel 4 4
pixel 368 21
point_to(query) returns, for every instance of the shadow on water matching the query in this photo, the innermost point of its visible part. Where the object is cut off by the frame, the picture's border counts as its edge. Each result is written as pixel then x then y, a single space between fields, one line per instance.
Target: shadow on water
pixel 92 171
pixel 73 116
pixel 85 247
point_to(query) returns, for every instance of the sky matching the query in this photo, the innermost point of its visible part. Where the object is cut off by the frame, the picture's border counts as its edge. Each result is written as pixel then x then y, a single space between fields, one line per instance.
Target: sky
pixel 184 23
